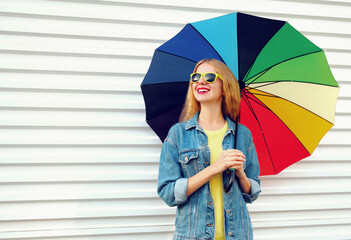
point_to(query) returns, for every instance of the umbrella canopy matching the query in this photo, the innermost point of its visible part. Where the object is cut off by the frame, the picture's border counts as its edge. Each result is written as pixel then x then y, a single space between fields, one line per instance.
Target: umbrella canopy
pixel 288 91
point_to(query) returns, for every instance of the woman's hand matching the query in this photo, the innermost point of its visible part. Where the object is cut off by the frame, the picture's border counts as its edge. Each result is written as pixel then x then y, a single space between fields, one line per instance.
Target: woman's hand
pixel 230 159
pixel 234 159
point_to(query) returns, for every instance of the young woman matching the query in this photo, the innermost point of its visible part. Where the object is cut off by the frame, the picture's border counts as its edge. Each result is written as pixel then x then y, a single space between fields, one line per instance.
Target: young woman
pixel 199 149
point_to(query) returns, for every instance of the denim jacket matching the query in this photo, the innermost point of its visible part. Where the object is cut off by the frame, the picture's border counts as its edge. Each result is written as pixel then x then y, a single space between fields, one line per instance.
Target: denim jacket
pixel 184 153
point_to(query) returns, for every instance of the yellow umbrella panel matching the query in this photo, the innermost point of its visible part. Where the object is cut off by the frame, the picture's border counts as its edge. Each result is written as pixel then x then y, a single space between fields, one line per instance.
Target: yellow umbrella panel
pixel 307 126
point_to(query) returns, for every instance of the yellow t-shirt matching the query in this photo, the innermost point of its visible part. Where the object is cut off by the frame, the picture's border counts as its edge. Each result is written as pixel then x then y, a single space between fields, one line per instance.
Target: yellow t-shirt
pixel 215 139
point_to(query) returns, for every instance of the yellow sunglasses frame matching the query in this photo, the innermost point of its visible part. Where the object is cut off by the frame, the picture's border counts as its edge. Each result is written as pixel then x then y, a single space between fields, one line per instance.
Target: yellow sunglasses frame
pixel 203 75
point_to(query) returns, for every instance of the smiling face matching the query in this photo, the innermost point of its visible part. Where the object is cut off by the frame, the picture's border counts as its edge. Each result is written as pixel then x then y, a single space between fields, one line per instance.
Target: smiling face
pixel 207 92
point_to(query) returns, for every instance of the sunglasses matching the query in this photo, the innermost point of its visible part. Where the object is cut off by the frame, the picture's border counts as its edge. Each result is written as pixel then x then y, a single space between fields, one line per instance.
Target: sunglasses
pixel 209 77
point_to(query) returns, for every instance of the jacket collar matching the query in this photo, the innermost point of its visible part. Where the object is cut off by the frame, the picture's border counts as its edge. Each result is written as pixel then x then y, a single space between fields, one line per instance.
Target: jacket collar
pixel 191 123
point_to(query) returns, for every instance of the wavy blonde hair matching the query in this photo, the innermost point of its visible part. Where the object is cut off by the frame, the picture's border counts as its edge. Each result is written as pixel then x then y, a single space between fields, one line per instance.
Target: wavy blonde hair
pixel 231 89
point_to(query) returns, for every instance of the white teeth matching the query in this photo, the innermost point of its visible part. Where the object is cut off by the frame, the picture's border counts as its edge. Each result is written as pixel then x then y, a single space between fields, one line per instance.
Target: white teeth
pixel 203 90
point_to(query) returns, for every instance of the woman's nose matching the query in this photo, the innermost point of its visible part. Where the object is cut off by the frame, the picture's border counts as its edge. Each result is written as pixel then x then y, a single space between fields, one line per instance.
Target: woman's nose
pixel 202 80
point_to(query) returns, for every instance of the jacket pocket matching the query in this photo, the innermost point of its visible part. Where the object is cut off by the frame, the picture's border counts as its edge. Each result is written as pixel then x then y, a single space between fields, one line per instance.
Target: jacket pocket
pixel 189 161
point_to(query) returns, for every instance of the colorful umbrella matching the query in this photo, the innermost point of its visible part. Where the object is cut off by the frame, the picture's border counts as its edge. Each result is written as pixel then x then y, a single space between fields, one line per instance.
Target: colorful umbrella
pixel 288 91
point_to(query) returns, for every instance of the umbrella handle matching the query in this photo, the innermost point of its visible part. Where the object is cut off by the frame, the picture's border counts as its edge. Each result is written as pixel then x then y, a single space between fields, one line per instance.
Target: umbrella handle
pixel 228 186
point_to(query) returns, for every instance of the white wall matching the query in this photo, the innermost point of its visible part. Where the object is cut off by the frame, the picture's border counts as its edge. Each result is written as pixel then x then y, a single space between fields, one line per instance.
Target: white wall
pixel 77 160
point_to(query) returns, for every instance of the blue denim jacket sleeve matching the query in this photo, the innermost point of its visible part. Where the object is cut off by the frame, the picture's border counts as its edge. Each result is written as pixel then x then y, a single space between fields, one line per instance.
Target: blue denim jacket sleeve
pixel 252 171
pixel 172 186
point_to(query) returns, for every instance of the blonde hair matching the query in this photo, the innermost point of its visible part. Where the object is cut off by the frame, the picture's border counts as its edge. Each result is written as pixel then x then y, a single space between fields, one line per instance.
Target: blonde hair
pixel 231 89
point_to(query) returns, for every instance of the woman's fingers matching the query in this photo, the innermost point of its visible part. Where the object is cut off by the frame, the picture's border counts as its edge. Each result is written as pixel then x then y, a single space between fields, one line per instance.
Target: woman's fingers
pixel 234 159
pixel 236 165
pixel 230 158
pixel 234 152
pixel 234 155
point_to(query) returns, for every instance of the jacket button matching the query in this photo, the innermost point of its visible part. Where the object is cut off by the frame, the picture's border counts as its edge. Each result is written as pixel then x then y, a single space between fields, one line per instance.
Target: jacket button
pixel 230 233
pixel 227 211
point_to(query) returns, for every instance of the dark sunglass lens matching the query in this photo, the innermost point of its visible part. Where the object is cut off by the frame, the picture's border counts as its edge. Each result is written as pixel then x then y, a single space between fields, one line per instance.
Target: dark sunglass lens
pixel 210 77
pixel 195 77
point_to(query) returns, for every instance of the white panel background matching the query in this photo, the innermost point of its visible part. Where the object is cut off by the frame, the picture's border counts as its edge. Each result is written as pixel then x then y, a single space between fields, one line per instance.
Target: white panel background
pixel 77 160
